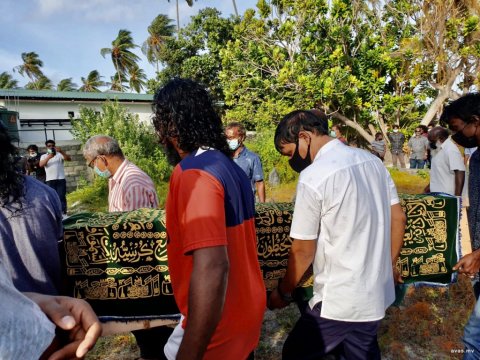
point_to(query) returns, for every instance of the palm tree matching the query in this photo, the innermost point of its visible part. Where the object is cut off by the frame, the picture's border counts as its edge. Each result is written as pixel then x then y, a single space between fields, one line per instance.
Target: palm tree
pixel 41 83
pixel 190 3
pixel 137 80
pixel 31 66
pixel 160 30
pixel 123 59
pixel 66 85
pixel 117 83
pixel 7 81
pixel 92 82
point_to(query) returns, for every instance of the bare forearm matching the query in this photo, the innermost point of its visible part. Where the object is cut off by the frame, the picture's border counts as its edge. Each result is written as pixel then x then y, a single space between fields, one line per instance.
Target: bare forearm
pixel 261 191
pixel 301 256
pixel 398 223
pixel 208 285
pixel 459 182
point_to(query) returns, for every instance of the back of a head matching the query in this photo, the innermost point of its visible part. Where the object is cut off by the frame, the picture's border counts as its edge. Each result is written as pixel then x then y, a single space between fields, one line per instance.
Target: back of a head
pixel 11 184
pixel 101 145
pixel 439 132
pixel 183 110
pixel 296 121
pixel 464 108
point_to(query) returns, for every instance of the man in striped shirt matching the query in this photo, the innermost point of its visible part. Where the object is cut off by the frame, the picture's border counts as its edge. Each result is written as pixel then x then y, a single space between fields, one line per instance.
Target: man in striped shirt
pixel 129 188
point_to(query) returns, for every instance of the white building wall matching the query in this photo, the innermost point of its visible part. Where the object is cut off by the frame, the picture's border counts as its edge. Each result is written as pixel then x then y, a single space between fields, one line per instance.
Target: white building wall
pixel 50 110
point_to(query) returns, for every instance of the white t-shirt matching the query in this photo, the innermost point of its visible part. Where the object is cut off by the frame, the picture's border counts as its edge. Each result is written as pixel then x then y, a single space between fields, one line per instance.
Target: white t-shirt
pixel 442 174
pixel 25 331
pixel 344 201
pixel 54 169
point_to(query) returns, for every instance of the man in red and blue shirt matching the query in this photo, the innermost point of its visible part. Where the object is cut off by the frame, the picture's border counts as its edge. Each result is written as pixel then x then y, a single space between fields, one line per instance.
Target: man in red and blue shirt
pixel 212 253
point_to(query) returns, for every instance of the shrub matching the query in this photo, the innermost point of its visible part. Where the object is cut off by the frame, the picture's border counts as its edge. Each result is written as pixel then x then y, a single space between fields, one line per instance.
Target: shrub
pixel 137 139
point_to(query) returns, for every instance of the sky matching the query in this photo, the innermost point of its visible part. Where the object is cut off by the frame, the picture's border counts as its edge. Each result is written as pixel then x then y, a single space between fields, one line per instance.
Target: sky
pixel 68 34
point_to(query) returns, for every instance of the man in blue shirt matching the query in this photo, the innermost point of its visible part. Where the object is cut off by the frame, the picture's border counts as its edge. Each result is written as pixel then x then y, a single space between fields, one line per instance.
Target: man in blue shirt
pixel 246 159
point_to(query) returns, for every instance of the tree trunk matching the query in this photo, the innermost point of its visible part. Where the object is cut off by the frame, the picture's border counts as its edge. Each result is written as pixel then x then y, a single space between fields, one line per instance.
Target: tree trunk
pixel 235 7
pixel 178 21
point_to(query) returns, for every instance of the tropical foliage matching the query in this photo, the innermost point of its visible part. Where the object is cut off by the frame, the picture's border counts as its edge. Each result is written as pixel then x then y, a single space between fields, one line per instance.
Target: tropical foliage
pixel 123 58
pixel 7 81
pixel 66 85
pixel 159 31
pixel 92 82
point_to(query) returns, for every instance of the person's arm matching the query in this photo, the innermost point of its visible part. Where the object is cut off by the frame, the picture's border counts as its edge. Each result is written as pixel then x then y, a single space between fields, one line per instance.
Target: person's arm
pixel 425 155
pixel 301 257
pixel 43 162
pixel 398 222
pixel 260 185
pixel 427 189
pixel 77 320
pixel 459 182
pixel 208 286
pixel 469 264
pixel 66 157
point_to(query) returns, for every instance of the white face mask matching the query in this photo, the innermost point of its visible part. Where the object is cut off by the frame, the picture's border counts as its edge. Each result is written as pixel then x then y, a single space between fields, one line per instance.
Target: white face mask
pixel 233 144
pixel 33 154
pixel 395 130
pixel 333 134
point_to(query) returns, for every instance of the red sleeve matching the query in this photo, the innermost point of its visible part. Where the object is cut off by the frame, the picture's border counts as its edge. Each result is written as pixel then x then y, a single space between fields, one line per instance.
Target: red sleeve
pixel 200 210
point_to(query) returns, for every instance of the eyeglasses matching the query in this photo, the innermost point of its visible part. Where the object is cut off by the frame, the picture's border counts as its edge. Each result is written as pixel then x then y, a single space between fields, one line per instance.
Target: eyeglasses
pixel 90 164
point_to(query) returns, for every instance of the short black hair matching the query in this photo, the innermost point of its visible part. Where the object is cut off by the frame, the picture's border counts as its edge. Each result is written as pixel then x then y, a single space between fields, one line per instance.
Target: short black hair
pixel 424 128
pixel 32 147
pixel 464 108
pixel 184 110
pixel 49 142
pixel 290 126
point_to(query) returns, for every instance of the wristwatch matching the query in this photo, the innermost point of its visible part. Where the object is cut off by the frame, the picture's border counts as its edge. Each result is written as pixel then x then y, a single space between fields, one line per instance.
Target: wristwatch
pixel 287 297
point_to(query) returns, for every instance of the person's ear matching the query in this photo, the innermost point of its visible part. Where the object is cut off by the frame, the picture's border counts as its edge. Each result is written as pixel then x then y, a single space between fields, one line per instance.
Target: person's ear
pixel 476 120
pixel 305 135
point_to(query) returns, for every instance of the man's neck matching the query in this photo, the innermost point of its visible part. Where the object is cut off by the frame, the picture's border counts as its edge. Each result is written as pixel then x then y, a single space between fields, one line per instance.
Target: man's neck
pixel 114 163
pixel 238 151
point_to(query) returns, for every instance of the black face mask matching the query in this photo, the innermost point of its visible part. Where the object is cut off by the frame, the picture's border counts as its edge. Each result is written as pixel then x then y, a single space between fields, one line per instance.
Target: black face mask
pixel 433 145
pixel 297 163
pixel 466 142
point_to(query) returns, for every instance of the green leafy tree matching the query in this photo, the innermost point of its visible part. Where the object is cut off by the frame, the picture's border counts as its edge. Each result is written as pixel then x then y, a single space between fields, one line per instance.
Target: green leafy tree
pixel 136 138
pixel 42 83
pixel 31 66
pixel 92 82
pixel 121 53
pixel 446 49
pixel 66 85
pixel 195 53
pixel 137 79
pixel 159 31
pixel 117 83
pixel 334 55
pixel 7 81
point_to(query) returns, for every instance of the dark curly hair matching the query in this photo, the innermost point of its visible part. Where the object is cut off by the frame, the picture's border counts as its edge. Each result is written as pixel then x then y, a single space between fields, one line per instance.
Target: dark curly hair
pixel 11 181
pixel 184 110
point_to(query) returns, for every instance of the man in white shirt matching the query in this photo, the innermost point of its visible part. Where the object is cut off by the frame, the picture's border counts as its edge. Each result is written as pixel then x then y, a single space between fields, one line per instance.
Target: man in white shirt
pixel 53 162
pixel 447 173
pixel 349 223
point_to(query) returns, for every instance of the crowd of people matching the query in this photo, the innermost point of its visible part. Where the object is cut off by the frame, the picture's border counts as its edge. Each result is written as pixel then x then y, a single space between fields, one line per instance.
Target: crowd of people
pixel 347 222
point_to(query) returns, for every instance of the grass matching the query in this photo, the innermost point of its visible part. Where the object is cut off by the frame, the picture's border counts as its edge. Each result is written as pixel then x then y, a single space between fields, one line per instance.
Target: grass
pixel 427 325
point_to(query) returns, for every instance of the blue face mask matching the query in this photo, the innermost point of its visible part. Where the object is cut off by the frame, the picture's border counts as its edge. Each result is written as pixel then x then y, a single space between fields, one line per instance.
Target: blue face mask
pixel 233 144
pixel 333 134
pixel 104 174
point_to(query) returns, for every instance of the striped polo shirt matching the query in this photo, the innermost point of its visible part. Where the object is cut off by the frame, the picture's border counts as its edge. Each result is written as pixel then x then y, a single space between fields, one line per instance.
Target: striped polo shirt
pixel 130 189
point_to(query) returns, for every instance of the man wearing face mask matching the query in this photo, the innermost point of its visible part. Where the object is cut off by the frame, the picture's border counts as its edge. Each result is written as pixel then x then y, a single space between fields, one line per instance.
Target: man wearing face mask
pixel 348 222
pixel 447 172
pixel 32 163
pixel 246 159
pixel 463 119
pixel 129 188
pixel 396 140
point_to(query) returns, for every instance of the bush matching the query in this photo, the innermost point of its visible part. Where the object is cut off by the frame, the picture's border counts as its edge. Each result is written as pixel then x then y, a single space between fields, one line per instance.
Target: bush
pixel 263 145
pixel 137 139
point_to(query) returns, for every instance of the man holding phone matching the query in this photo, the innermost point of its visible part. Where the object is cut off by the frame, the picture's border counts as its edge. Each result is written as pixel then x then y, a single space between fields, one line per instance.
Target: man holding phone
pixel 53 162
